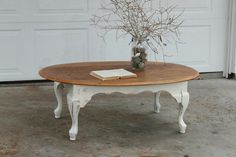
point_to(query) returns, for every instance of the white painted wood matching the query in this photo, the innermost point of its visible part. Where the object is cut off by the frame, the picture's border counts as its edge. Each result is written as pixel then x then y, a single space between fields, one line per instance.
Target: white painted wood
pixel 58 89
pixel 39 33
pixel 78 96
pixel 182 108
pixel 74 107
pixel 157 105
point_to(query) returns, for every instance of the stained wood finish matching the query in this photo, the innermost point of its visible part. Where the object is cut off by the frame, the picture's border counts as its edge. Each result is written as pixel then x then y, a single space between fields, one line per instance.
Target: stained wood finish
pixel 155 73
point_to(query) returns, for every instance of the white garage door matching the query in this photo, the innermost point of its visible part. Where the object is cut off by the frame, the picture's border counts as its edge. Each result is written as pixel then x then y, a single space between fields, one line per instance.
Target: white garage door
pixel 38 33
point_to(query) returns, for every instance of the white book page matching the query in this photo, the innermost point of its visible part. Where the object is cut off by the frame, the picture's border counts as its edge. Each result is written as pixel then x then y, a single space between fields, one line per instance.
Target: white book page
pixel 123 72
pixel 113 73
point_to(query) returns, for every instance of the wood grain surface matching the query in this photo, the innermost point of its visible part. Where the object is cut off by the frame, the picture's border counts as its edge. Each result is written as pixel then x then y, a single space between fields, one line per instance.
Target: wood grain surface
pixel 155 73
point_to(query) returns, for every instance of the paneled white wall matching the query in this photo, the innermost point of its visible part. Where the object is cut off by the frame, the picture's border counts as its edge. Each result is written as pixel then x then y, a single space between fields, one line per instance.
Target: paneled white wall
pixel 203 34
pixel 38 33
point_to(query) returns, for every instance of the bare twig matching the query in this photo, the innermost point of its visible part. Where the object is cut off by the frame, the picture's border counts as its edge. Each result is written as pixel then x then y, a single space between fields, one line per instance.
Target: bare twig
pixel 136 18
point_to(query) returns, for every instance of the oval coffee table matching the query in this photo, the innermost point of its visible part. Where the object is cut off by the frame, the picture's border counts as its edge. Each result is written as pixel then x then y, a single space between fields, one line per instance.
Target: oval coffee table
pixel 157 77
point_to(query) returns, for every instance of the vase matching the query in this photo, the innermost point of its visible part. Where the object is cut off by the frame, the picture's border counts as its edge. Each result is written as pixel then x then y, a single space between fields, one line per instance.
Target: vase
pixel 138 55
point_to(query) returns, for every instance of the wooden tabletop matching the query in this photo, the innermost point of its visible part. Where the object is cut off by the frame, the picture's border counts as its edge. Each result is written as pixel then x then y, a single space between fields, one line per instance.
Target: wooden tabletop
pixel 155 73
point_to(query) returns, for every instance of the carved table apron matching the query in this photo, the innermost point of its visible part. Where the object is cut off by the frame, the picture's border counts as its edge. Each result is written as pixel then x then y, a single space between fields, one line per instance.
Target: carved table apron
pixel 78 96
pixel 80 86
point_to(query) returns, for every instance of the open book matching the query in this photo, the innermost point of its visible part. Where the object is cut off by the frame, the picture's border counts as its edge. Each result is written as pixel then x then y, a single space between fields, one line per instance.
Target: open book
pixel 112 74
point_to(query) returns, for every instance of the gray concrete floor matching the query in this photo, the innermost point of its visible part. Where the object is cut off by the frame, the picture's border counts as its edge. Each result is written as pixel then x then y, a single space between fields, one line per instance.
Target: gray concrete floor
pixel 120 125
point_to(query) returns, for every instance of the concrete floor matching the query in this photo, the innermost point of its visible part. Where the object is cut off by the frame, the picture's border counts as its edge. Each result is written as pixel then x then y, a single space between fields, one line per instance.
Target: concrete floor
pixel 120 125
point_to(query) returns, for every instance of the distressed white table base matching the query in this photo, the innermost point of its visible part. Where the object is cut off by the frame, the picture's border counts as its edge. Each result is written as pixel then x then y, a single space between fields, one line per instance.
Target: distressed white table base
pixel 78 96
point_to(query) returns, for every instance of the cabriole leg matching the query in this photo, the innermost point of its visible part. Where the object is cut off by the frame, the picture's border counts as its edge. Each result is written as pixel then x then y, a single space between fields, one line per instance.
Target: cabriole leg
pixel 74 112
pixel 182 108
pixel 58 89
pixel 157 104
pixel 74 108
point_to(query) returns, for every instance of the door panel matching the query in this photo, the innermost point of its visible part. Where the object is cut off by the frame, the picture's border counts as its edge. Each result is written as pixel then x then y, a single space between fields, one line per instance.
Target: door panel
pixel 62 5
pixel 66 45
pixel 191 5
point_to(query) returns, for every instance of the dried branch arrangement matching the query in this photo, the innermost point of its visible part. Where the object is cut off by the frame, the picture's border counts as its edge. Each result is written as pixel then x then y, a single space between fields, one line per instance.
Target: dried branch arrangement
pixel 155 27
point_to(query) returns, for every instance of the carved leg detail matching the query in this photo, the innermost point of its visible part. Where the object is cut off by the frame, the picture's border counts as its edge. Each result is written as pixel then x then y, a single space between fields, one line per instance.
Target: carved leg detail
pixel 182 108
pixel 74 108
pixel 157 104
pixel 58 89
